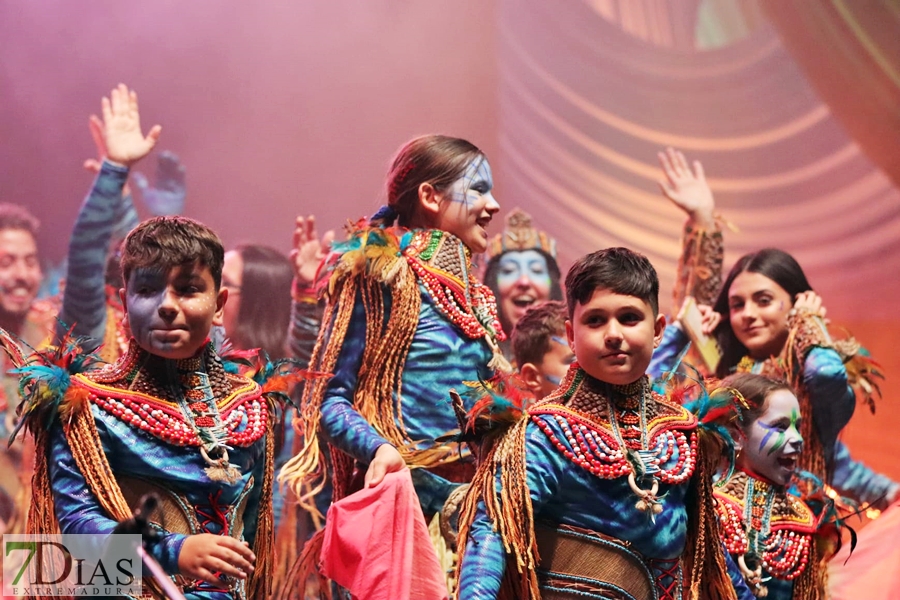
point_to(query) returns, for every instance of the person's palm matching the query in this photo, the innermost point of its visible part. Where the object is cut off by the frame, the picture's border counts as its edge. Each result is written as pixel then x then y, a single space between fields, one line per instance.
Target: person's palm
pixel 685 187
pixel 125 144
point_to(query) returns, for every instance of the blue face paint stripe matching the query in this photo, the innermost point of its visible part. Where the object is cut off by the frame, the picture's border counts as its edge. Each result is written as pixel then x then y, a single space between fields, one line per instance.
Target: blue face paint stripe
pixel 770 431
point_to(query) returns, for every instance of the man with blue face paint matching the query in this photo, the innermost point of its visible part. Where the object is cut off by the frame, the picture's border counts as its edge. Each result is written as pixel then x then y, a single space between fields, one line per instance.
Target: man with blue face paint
pixel 521 269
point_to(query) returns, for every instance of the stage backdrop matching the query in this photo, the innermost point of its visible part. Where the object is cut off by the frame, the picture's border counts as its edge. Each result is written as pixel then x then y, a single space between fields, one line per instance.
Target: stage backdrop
pixel 286 108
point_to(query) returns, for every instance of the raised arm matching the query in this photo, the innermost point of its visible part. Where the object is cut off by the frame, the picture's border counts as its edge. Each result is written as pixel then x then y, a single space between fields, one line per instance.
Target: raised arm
pixel 120 144
pixel 700 264
pixel 306 311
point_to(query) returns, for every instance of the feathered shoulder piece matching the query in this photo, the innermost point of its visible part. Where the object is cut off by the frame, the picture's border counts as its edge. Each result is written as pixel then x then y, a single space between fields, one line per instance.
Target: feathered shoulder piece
pixel 863 374
pixel 497 404
pixel 276 378
pixel 714 405
pixel 46 384
pixel 808 330
pixel 370 251
pixel 831 510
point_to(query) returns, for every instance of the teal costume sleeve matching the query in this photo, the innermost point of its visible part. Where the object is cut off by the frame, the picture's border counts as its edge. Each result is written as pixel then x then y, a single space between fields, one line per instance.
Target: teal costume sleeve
pixel 856 480
pixel 78 511
pixel 674 340
pixel 343 425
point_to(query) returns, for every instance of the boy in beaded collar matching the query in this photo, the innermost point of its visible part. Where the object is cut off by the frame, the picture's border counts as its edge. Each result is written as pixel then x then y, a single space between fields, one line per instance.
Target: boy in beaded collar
pixel 602 469
pixel 167 418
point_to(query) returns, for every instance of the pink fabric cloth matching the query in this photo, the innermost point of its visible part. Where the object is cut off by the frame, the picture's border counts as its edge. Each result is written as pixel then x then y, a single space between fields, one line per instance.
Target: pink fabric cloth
pixel 377 544
pixel 873 571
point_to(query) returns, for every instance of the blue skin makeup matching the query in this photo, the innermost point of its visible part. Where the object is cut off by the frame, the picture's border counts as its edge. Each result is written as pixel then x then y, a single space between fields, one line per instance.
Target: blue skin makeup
pixel 562 342
pixel 476 181
pixel 530 263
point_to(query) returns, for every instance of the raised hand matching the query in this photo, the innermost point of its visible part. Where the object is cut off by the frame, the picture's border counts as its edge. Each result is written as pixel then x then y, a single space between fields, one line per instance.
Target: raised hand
pixel 167 196
pixel 687 188
pixel 125 143
pixel 308 250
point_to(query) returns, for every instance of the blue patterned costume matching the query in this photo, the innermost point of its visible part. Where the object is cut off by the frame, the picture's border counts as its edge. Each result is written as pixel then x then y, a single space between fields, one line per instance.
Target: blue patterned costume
pixel 406 321
pixel 146 424
pixel 396 347
pixel 562 469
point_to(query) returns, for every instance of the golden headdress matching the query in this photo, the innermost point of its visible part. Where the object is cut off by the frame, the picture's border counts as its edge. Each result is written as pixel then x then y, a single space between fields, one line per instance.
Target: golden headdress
pixel 519 235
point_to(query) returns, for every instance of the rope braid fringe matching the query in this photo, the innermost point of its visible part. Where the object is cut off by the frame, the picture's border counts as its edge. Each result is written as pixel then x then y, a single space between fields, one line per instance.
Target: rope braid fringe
pixel 388 338
pixel 704 556
pixel 81 434
pixel 83 439
pixel 512 514
pixel 510 510
pixel 362 275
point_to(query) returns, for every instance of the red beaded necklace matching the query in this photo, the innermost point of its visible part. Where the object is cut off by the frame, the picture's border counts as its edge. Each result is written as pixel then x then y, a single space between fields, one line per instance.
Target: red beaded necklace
pixel 465 301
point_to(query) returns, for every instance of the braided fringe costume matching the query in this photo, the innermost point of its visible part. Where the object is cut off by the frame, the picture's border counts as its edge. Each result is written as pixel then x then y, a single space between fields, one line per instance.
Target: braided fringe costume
pixel 566 452
pixel 388 287
pixel 115 432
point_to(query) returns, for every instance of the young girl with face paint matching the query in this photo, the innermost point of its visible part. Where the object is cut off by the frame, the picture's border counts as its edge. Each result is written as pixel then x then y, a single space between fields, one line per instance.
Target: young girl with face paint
pixel 770 532
pixel 765 315
pixel 406 321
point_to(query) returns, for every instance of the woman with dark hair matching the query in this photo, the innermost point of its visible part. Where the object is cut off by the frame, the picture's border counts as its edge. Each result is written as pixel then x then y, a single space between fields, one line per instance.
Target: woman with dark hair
pixel 521 269
pixel 768 320
pixel 406 321
pixel 258 311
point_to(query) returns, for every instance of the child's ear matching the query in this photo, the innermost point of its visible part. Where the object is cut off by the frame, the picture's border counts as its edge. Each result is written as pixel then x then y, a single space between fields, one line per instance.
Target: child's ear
pixel 570 334
pixel 122 298
pixel 737 434
pixel 429 202
pixel 531 375
pixel 658 328
pixel 221 299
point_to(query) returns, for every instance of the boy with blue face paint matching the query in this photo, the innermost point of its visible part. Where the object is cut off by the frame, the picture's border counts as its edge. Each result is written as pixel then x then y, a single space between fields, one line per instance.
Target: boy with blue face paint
pixel 170 417
pixel 540 347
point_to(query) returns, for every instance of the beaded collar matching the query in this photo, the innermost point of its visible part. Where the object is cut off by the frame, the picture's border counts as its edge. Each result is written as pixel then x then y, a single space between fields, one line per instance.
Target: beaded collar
pixel 765 527
pixel 648 439
pixel 442 263
pixel 191 402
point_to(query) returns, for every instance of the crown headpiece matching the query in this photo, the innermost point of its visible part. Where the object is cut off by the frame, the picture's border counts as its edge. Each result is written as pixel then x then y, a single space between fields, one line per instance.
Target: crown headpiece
pixel 519 235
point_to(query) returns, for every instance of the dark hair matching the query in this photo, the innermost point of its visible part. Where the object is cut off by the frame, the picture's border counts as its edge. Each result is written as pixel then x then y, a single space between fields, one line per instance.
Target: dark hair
pixel 754 389
pixel 492 271
pixel 167 242
pixel 618 270
pixel 436 159
pixel 264 316
pixel 14 216
pixel 777 265
pixel 531 335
